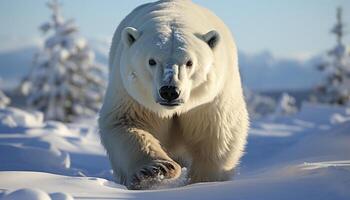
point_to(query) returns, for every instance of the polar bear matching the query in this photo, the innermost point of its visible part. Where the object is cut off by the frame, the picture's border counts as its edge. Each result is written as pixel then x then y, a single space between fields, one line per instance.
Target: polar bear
pixel 174 97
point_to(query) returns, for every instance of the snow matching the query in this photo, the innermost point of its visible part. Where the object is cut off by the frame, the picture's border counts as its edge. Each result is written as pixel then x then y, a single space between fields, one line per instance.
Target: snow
pixel 27 194
pixel 259 105
pixel 300 156
pixel 36 194
pixel 13 117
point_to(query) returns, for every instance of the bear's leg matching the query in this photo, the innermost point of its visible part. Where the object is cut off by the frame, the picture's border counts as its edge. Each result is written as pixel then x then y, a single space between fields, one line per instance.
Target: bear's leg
pixel 207 171
pixel 208 166
pixel 137 158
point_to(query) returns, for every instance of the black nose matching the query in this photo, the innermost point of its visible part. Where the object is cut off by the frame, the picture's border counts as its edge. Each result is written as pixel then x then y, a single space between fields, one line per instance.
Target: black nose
pixel 169 93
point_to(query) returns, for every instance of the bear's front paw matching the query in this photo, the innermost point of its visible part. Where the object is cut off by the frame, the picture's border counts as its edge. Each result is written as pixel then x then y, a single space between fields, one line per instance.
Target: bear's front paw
pixel 153 173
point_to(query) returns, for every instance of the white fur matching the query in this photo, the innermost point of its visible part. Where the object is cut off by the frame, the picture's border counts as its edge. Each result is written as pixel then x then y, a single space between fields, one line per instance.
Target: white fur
pixel 209 129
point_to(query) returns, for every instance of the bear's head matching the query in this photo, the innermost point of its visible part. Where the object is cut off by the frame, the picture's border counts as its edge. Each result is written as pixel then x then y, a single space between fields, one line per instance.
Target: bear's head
pixel 169 70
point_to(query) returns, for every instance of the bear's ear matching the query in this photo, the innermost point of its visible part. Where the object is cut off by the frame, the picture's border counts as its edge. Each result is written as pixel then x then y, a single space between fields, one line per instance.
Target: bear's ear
pixel 130 35
pixel 212 38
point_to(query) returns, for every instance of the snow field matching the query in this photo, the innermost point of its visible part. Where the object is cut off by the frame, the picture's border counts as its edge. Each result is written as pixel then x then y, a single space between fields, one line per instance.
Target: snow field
pixel 303 156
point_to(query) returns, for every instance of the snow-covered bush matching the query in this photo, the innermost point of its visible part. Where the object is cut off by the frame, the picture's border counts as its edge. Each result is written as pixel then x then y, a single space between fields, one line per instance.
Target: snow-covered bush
pixel 286 105
pixel 335 89
pixel 259 105
pixel 4 100
pixel 65 82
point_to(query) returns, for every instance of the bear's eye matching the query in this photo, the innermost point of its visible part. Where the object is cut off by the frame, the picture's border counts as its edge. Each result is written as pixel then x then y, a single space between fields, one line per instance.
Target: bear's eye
pixel 152 62
pixel 189 63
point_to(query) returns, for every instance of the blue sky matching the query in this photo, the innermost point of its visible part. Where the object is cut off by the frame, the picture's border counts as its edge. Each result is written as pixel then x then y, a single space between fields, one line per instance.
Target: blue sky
pixel 287 28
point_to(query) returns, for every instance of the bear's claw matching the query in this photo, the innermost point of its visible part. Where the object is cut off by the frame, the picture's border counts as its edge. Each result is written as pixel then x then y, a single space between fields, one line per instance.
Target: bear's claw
pixel 154 173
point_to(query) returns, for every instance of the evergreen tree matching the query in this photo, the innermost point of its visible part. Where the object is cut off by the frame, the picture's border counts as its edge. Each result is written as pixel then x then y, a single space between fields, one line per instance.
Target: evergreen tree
pixel 336 88
pixel 65 82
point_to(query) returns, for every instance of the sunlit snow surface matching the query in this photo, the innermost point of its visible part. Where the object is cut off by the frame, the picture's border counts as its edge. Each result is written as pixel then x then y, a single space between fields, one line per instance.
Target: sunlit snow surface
pixel 304 156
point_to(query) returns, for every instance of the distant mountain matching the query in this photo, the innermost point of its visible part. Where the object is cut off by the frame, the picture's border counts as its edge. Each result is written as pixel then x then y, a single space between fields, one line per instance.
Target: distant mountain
pixel 261 71
pixel 101 49
pixel 264 72
pixel 15 64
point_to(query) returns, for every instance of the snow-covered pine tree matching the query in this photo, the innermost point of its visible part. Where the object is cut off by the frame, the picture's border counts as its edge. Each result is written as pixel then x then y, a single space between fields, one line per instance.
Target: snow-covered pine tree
pixel 336 88
pixel 65 82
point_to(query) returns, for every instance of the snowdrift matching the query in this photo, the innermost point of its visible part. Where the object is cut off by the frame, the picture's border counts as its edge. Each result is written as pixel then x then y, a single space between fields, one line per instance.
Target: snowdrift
pixel 304 156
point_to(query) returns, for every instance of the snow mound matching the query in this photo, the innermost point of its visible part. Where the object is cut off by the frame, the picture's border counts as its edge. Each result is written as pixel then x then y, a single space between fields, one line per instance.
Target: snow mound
pixel 28 143
pixel 13 117
pixel 33 158
pixel 27 194
pixel 36 194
